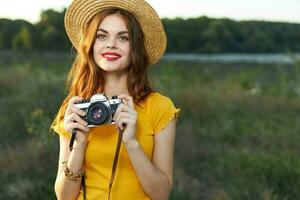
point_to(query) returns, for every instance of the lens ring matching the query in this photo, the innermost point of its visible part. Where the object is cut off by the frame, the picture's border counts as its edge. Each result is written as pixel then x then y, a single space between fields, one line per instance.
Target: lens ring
pixel 97 113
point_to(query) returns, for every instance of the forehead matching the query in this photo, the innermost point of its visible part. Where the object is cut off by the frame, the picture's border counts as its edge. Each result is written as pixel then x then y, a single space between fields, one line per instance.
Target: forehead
pixel 113 22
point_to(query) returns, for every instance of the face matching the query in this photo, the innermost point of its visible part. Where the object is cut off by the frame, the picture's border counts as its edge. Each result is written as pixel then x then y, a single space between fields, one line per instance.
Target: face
pixel 112 46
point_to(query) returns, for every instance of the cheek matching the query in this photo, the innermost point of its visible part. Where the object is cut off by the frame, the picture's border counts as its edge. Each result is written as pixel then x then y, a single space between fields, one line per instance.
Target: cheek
pixel 95 49
pixel 94 52
pixel 128 57
pixel 127 51
pixel 128 48
pixel 96 46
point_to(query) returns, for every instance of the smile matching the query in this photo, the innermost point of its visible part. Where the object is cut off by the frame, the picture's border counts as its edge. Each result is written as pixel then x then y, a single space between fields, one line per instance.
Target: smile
pixel 111 56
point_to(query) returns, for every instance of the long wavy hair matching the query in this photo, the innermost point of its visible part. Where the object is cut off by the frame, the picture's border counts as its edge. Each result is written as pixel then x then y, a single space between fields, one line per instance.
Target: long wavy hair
pixel 86 78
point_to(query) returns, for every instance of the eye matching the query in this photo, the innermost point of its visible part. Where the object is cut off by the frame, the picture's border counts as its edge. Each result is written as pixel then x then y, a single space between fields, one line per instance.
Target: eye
pixel 101 36
pixel 123 38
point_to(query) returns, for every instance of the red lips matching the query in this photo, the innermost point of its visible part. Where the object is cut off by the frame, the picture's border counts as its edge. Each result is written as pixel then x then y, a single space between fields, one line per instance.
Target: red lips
pixel 111 56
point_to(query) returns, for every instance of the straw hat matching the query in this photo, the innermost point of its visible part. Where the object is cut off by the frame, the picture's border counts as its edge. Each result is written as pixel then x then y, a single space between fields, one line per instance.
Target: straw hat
pixel 80 12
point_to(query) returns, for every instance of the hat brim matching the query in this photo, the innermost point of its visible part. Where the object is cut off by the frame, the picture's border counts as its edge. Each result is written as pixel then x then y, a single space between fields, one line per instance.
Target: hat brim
pixel 80 12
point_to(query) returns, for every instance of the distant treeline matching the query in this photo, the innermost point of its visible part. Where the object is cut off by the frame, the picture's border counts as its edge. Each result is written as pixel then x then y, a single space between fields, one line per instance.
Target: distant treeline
pixel 194 35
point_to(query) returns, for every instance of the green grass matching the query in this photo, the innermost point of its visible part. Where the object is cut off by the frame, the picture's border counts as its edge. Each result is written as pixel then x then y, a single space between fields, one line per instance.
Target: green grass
pixel 237 136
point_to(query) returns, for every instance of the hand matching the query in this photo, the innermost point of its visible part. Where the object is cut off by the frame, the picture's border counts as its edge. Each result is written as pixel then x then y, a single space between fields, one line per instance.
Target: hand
pixel 126 118
pixel 72 120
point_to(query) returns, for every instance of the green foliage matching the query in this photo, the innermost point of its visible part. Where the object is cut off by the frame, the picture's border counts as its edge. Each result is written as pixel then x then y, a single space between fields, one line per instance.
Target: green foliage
pixel 51 31
pixel 193 35
pixel 238 132
pixel 207 35
pixel 47 34
pixel 22 41
pixel 29 99
pixel 15 35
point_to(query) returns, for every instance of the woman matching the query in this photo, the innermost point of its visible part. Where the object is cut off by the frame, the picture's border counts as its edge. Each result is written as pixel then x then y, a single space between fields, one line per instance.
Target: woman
pixel 116 41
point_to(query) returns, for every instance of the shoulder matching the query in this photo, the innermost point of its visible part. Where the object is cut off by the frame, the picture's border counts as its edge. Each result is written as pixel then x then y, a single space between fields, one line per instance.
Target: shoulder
pixel 156 99
pixel 161 110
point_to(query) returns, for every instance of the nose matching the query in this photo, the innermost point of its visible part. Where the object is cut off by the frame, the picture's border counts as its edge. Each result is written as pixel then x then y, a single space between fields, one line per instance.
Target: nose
pixel 111 44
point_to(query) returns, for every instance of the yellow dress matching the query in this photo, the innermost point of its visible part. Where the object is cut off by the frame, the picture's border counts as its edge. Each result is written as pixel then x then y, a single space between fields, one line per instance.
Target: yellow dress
pixel 154 114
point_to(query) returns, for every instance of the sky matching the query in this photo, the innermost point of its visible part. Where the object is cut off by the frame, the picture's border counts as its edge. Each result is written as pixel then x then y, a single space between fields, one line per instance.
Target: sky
pixel 268 10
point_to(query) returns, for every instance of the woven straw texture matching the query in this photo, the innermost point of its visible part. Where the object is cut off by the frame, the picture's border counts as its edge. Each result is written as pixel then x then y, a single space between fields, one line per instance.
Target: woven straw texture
pixel 80 12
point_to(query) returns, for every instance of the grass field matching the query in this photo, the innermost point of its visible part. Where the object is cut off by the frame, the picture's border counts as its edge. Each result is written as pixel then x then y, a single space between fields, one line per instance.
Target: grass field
pixel 237 136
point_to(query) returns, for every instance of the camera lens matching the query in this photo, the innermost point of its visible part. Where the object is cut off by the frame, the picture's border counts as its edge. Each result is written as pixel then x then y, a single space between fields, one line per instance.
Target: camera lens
pixel 97 113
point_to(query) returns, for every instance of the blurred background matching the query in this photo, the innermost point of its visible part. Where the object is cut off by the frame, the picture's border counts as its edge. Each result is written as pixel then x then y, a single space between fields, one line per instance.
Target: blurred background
pixel 233 67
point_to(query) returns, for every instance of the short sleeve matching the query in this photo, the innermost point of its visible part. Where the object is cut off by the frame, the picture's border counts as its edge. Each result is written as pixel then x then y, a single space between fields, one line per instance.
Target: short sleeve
pixel 60 130
pixel 162 111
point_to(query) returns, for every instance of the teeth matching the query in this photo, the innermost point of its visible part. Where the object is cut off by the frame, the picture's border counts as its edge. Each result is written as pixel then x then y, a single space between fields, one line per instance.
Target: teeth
pixel 111 56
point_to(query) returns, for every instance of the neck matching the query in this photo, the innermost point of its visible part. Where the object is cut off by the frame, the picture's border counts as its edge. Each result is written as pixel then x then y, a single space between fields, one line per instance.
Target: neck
pixel 115 84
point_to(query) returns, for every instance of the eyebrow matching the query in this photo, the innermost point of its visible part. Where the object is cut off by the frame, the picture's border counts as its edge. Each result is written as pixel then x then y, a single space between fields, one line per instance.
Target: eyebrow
pixel 119 33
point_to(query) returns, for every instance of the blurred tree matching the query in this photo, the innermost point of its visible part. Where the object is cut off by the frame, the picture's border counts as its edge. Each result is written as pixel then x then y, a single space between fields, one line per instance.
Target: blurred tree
pixel 22 41
pixel 185 35
pixel 9 29
pixel 207 35
pixel 192 35
pixel 51 31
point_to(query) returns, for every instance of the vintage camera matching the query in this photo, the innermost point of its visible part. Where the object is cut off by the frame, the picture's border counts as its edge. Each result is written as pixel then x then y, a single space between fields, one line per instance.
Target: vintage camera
pixel 99 110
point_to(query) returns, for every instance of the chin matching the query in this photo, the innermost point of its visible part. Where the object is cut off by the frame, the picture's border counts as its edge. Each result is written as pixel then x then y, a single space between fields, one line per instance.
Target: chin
pixel 111 67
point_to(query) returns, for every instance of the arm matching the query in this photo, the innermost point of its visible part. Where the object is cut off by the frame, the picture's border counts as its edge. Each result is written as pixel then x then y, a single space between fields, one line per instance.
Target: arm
pixel 66 189
pixel 156 177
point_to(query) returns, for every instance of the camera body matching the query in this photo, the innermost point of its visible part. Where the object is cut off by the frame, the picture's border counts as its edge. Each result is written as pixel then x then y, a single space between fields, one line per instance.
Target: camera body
pixel 99 110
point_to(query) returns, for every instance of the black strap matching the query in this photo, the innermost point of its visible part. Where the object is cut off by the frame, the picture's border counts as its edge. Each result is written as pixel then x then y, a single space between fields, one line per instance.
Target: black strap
pixel 83 187
pixel 113 170
pixel 74 132
pixel 113 167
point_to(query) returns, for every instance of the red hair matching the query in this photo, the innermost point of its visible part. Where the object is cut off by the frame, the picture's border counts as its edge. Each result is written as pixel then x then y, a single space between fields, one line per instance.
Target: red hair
pixel 86 78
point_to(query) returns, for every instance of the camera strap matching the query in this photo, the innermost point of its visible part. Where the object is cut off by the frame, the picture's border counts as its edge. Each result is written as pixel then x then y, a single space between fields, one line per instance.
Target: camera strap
pixel 74 132
pixel 113 167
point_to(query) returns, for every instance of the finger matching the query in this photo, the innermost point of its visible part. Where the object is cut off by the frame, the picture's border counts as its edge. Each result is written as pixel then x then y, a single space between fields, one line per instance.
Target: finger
pixel 75 99
pixel 119 109
pixel 122 114
pixel 129 120
pixel 78 126
pixel 122 109
pixel 128 99
pixel 126 108
pixel 123 98
pixel 77 110
pixel 76 118
pixel 71 102
pixel 129 110
pixel 123 122
pixel 73 117
pixel 70 118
